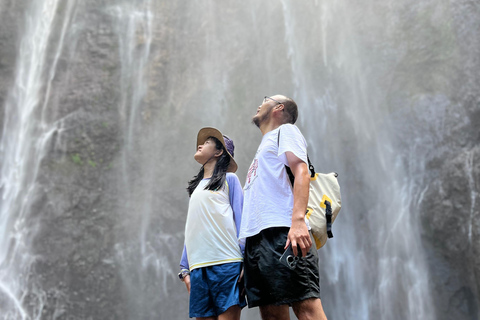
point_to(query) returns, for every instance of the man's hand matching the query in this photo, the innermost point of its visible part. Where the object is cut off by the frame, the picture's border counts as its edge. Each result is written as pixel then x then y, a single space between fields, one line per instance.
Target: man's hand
pixel 186 279
pixel 298 234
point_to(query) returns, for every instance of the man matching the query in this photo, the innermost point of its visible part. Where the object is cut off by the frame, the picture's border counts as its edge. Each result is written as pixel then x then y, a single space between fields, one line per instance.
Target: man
pixel 274 218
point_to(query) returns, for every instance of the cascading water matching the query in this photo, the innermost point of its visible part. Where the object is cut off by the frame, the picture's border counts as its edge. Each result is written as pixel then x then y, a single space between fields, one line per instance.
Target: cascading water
pixel 26 140
pixel 136 250
pixel 391 268
pixel 99 121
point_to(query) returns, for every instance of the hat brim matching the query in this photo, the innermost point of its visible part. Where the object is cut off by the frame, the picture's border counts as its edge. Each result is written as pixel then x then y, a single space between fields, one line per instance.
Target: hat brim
pixel 207 132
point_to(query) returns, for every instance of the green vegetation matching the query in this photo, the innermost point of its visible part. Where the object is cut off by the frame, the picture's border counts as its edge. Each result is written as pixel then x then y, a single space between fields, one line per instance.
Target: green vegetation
pixel 76 159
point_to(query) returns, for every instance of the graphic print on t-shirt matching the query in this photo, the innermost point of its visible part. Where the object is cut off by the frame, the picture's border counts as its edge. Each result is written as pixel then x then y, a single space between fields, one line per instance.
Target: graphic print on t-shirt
pixel 252 173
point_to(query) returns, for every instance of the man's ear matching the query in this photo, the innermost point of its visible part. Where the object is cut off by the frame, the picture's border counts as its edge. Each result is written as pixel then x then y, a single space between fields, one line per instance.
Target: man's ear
pixel 278 109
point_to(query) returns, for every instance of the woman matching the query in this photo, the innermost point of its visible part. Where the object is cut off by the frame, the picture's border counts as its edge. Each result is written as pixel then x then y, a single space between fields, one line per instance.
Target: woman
pixel 211 263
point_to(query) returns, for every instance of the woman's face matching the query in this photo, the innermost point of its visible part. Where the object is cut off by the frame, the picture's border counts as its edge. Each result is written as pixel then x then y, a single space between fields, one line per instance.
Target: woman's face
pixel 206 151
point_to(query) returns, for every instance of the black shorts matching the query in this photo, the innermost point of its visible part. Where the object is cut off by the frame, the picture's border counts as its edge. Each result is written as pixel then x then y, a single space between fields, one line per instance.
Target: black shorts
pixel 268 281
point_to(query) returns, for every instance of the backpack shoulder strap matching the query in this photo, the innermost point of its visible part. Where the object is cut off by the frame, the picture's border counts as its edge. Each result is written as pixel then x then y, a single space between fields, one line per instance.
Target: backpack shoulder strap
pixel 289 171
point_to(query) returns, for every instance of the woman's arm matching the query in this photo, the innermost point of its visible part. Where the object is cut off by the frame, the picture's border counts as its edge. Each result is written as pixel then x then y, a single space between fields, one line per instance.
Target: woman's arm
pixel 184 259
pixel 236 202
pixel 184 267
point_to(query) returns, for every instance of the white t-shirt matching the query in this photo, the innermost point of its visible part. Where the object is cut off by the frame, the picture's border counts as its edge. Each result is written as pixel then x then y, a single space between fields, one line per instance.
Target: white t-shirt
pixel 268 196
pixel 210 230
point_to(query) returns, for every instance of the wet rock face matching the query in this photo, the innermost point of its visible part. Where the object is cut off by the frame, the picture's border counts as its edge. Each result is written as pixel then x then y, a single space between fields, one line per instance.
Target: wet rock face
pixel 9 16
pixel 124 98
pixel 450 210
pixel 71 212
pixel 450 216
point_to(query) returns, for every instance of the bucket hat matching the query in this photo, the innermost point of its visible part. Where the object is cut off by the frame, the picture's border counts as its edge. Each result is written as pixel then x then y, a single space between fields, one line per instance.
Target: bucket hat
pixel 207 132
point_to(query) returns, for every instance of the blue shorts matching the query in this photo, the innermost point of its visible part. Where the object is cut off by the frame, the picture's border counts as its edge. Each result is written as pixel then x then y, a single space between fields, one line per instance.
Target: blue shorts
pixel 214 289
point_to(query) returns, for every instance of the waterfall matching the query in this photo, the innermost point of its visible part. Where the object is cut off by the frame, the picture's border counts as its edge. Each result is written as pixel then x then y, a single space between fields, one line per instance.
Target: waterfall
pixel 101 101
pixel 26 140
pixel 373 267
pixel 473 193
pixel 135 250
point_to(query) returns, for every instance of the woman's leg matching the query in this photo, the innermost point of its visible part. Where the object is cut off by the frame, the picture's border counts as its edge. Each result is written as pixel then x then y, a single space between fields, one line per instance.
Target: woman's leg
pixel 232 313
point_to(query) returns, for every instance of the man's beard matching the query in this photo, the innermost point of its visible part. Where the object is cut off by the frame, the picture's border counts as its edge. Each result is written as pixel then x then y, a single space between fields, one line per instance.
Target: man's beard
pixel 259 120
pixel 256 121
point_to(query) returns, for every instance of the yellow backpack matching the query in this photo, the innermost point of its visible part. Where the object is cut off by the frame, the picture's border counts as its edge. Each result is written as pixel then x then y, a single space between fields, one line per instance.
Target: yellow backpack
pixel 324 202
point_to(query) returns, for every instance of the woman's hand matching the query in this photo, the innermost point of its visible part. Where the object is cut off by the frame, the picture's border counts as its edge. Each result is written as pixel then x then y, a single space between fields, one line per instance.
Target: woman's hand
pixel 241 284
pixel 186 279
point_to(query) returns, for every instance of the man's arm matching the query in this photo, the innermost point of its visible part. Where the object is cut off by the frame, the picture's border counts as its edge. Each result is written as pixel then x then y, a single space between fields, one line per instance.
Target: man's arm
pixel 298 234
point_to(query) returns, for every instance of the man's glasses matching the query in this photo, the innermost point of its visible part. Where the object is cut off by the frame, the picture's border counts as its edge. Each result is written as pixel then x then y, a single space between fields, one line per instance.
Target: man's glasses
pixel 268 98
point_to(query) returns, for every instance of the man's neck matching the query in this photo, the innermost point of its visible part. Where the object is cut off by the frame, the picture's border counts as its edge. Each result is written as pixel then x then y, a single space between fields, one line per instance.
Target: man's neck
pixel 269 126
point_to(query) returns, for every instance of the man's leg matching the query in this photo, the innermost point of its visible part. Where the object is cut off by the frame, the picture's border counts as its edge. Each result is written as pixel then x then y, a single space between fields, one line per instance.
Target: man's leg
pixel 310 309
pixel 272 312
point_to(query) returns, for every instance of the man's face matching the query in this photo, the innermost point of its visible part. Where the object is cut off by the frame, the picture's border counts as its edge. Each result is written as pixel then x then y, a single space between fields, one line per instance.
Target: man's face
pixel 264 110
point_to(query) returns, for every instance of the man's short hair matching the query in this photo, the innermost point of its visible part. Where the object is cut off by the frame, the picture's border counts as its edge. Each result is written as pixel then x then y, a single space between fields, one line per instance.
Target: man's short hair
pixel 291 110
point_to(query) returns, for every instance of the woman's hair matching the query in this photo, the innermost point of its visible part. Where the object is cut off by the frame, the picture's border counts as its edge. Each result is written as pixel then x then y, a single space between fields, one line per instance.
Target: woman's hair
pixel 219 172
